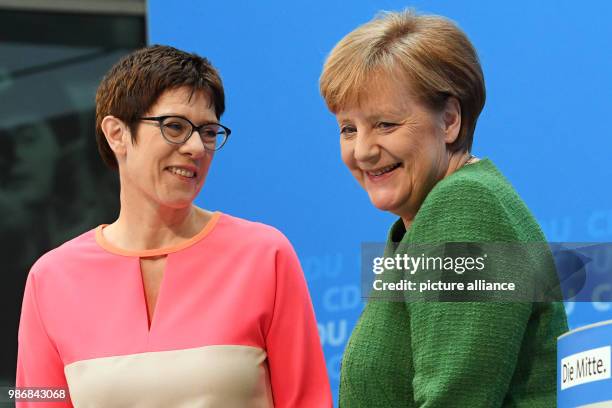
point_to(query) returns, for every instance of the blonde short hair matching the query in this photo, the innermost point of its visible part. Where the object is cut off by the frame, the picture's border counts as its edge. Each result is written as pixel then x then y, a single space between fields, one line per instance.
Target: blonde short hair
pixel 429 52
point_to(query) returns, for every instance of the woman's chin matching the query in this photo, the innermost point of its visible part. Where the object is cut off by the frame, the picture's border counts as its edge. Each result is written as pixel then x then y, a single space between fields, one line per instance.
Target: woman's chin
pixel 177 198
pixel 383 203
pixel 177 202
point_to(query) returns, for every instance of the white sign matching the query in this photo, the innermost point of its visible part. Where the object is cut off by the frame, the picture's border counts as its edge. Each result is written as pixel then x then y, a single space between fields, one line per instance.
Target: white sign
pixel 585 367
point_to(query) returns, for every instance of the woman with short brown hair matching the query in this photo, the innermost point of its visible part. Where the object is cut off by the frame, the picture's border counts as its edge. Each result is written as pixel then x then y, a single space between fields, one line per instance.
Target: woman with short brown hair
pixel 171 305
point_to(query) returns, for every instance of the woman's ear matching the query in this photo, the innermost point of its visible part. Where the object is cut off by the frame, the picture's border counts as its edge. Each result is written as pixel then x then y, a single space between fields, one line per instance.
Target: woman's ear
pixel 451 119
pixel 117 135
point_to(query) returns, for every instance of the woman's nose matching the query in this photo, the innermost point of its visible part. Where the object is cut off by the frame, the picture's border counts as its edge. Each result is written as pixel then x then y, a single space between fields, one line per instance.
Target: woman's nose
pixel 194 145
pixel 366 149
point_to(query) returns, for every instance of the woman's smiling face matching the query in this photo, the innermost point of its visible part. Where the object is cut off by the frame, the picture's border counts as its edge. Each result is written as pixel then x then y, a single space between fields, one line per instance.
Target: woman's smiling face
pixel 170 175
pixel 394 146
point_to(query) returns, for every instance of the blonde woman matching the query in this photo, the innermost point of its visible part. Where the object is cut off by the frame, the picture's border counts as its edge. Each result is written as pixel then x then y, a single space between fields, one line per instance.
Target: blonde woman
pixel 407 91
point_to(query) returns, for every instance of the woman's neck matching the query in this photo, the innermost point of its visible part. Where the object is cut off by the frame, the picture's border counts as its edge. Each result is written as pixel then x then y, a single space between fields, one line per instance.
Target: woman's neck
pixel 456 160
pixel 147 225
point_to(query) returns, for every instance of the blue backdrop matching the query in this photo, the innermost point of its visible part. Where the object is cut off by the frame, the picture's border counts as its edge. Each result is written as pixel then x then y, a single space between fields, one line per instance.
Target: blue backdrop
pixel 547 67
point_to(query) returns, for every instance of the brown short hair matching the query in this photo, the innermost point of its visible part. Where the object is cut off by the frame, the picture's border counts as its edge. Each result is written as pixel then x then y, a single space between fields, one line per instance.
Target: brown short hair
pixel 430 52
pixel 135 83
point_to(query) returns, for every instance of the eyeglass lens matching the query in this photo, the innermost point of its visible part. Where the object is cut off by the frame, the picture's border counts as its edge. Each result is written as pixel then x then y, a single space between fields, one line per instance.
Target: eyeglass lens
pixel 178 130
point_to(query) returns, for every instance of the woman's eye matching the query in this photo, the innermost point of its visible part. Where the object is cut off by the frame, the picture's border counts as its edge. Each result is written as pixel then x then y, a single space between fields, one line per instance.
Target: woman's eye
pixel 348 131
pixel 174 126
pixel 209 133
pixel 386 125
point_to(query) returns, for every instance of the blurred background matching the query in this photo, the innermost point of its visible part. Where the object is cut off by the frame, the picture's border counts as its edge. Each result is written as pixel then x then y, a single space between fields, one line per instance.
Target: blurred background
pixel 547 69
pixel 53 185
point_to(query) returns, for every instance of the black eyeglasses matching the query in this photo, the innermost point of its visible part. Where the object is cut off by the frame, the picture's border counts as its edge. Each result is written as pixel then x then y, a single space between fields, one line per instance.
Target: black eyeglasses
pixel 177 130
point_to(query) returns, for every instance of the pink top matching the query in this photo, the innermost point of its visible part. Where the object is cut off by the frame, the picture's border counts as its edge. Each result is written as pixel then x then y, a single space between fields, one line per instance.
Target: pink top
pixel 233 324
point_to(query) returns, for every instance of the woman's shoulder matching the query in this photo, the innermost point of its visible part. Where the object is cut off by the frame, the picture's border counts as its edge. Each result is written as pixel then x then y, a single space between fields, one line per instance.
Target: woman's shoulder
pixel 478 187
pixel 478 202
pixel 75 248
pixel 480 180
pixel 260 241
pixel 251 232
